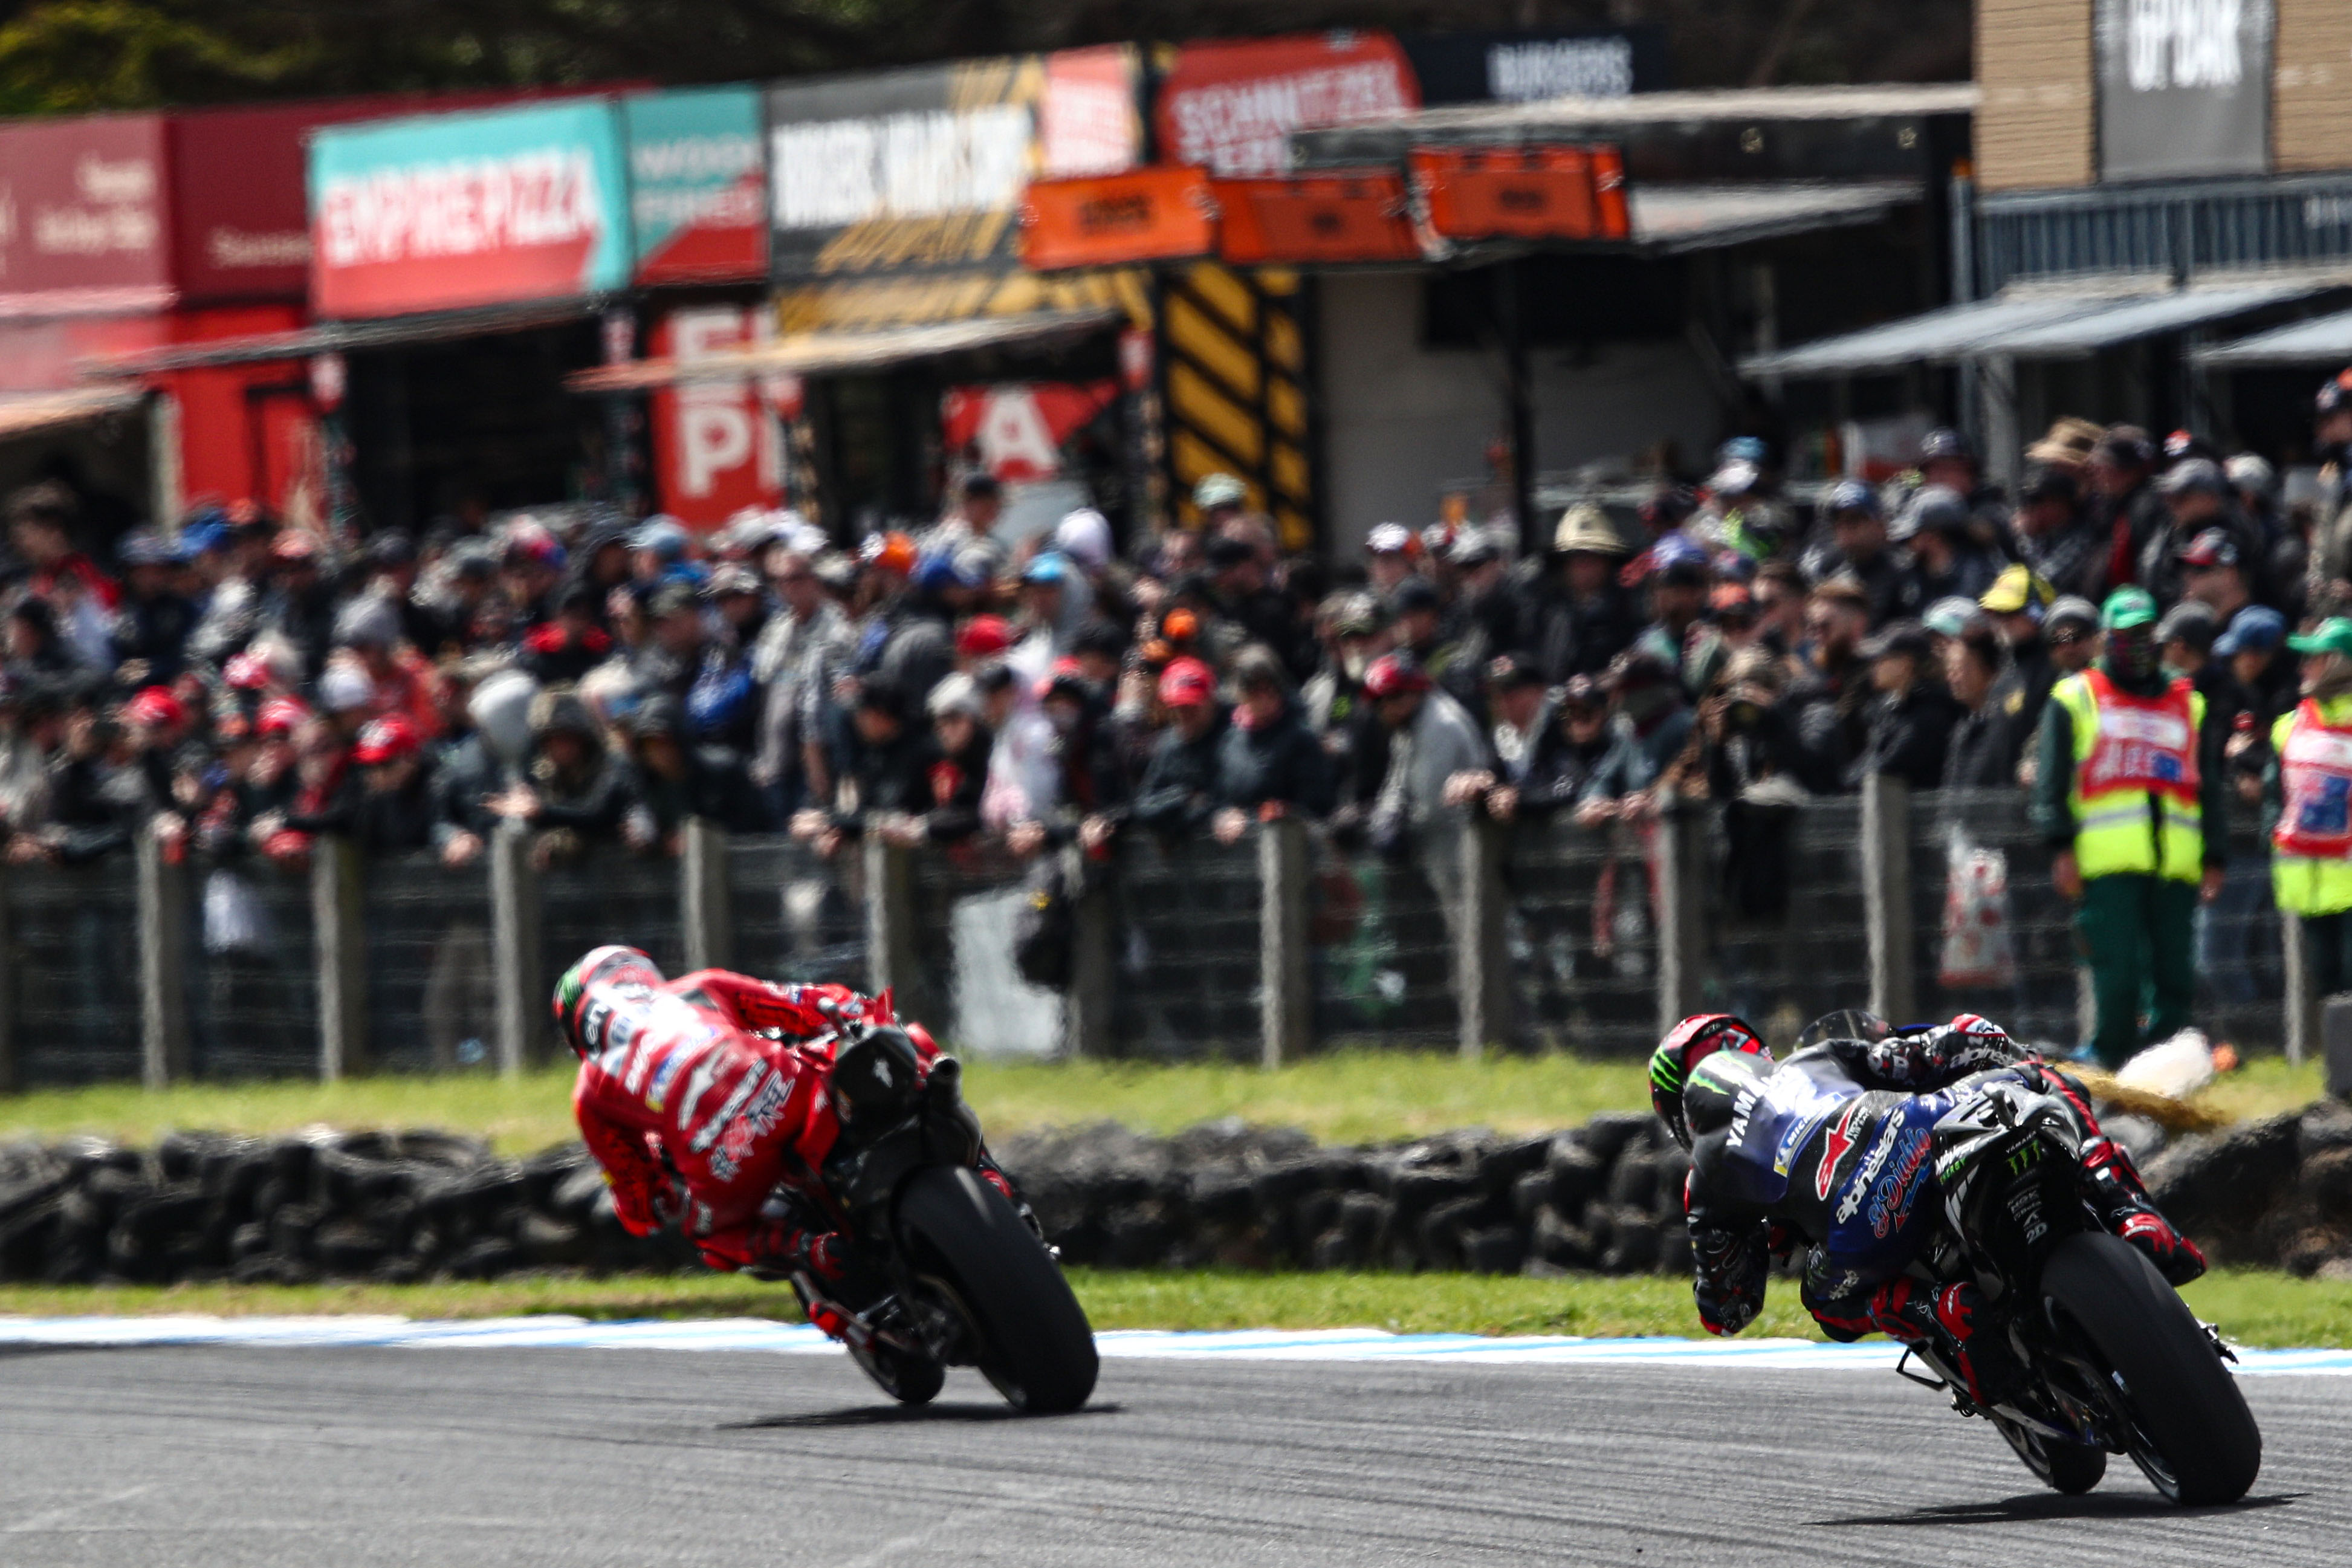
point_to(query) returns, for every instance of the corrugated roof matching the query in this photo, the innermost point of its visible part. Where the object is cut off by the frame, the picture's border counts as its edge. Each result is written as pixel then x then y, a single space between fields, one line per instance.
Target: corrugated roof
pixel 55 410
pixel 1701 217
pixel 2040 324
pixel 346 337
pixel 2323 339
pixel 817 353
pixel 1746 103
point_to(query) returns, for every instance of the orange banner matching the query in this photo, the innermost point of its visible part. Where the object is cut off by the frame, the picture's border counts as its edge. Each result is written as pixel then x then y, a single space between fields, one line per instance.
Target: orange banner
pixel 1157 213
pixel 1316 218
pixel 1522 193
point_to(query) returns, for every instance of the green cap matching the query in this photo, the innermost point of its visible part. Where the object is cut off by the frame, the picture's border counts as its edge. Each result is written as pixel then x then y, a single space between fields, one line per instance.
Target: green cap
pixel 2127 608
pixel 2333 635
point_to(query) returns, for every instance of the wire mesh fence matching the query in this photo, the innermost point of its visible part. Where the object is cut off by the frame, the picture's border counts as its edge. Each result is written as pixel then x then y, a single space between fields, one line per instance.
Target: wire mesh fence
pixel 1783 936
pixel 1583 936
pixel 72 940
pixel 432 992
pixel 1382 942
pixel 253 971
pixel 797 916
pixel 1185 949
pixel 967 909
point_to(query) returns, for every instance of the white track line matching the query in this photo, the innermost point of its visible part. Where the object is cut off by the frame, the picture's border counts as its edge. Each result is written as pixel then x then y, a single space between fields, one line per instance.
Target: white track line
pixel 800 1339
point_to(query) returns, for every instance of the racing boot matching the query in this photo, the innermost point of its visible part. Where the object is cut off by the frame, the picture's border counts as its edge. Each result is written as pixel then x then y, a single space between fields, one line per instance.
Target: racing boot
pixel 2114 1187
pixel 1953 1321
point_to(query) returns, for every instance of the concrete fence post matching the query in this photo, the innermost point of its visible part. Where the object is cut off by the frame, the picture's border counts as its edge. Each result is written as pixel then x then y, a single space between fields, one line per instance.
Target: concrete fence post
pixel 514 942
pixel 163 963
pixel 1682 884
pixel 1285 989
pixel 2302 1001
pixel 707 913
pixel 339 917
pixel 1482 958
pixel 893 960
pixel 1887 897
pixel 1085 1011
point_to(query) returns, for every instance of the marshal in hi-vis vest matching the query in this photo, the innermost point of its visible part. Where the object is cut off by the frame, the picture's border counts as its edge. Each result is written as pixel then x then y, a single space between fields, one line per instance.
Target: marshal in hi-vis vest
pixel 2311 860
pixel 2135 795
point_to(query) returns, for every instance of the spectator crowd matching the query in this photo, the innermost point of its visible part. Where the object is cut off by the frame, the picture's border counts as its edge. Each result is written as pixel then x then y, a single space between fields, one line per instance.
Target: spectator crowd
pixel 241 686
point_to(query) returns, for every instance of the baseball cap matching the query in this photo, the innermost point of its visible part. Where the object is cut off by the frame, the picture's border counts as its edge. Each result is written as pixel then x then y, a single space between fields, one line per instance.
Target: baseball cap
pixel 2213 547
pixel 2334 393
pixel 1219 490
pixel 1390 539
pixel 1852 495
pixel 386 740
pixel 2255 628
pixel 2050 481
pixel 1051 567
pixel 2071 613
pixel 156 705
pixel 1944 444
pixel 280 716
pixel 2127 608
pixel 2192 621
pixel 1937 507
pixel 1414 593
pixel 982 636
pixel 1186 683
pixel 2333 635
pixel 892 551
pixel 665 536
pixel 1950 615
pixel 2017 590
pixel 2193 474
pixel 1393 674
pixel 1507 670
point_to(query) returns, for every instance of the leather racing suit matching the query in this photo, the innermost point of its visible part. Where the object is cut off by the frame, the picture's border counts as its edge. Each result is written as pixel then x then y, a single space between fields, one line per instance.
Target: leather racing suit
pixel 697 1120
pixel 1835 1147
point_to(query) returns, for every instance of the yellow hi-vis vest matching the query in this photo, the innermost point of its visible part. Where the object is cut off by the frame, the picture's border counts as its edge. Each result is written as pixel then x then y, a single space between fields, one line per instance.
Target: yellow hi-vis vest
pixel 2311 848
pixel 2135 794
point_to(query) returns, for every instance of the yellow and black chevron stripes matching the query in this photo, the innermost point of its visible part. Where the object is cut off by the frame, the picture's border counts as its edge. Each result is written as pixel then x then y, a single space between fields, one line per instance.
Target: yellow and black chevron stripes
pixel 1235 373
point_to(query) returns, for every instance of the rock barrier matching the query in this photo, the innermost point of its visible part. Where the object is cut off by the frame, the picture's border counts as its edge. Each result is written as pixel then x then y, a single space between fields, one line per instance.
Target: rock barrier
pixel 1605 1197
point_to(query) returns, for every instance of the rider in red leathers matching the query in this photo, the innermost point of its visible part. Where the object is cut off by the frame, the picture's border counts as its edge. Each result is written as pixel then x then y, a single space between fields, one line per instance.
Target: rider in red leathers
pixel 698 1118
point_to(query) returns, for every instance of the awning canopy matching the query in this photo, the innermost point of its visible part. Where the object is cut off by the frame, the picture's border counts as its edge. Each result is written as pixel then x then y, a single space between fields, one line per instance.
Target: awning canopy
pixel 1677 219
pixel 820 354
pixel 2326 339
pixel 34 413
pixel 2035 326
pixel 347 337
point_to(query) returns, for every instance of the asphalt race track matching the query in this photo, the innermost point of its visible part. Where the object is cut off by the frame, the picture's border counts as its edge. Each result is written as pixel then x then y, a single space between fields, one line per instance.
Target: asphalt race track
pixel 227 1456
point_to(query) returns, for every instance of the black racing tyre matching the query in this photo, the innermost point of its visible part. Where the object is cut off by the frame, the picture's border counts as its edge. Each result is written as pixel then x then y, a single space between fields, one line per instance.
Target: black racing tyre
pixel 2195 1439
pixel 1033 1341
pixel 905 1376
pixel 2073 1469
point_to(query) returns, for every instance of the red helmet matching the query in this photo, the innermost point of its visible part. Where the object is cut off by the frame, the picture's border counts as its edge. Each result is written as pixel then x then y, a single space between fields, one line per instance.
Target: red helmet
pixel 1692 1041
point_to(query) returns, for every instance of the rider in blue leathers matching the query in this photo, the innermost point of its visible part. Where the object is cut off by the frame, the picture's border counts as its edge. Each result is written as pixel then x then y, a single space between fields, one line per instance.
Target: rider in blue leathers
pixel 1833 1147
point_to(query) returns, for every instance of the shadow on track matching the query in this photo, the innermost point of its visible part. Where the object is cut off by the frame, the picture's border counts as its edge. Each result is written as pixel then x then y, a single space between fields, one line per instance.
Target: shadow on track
pixel 2036 1508
pixel 898 1415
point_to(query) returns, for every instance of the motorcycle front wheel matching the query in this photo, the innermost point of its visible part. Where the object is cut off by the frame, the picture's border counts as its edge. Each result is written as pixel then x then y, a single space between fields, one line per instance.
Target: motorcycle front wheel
pixel 1030 1336
pixel 2186 1425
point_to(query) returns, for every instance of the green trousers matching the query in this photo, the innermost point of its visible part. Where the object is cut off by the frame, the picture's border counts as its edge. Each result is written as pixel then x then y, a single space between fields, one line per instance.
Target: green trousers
pixel 2136 933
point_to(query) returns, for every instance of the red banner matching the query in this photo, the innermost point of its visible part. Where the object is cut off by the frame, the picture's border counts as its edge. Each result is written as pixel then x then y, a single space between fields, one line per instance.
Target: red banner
pixel 1522 193
pixel 1316 218
pixel 1159 214
pixel 1016 430
pixel 714 444
pixel 1230 107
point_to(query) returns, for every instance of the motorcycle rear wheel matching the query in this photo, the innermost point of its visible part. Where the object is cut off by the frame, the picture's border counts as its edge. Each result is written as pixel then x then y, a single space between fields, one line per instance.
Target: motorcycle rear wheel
pixel 2073 1469
pixel 1031 1337
pixel 2189 1428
